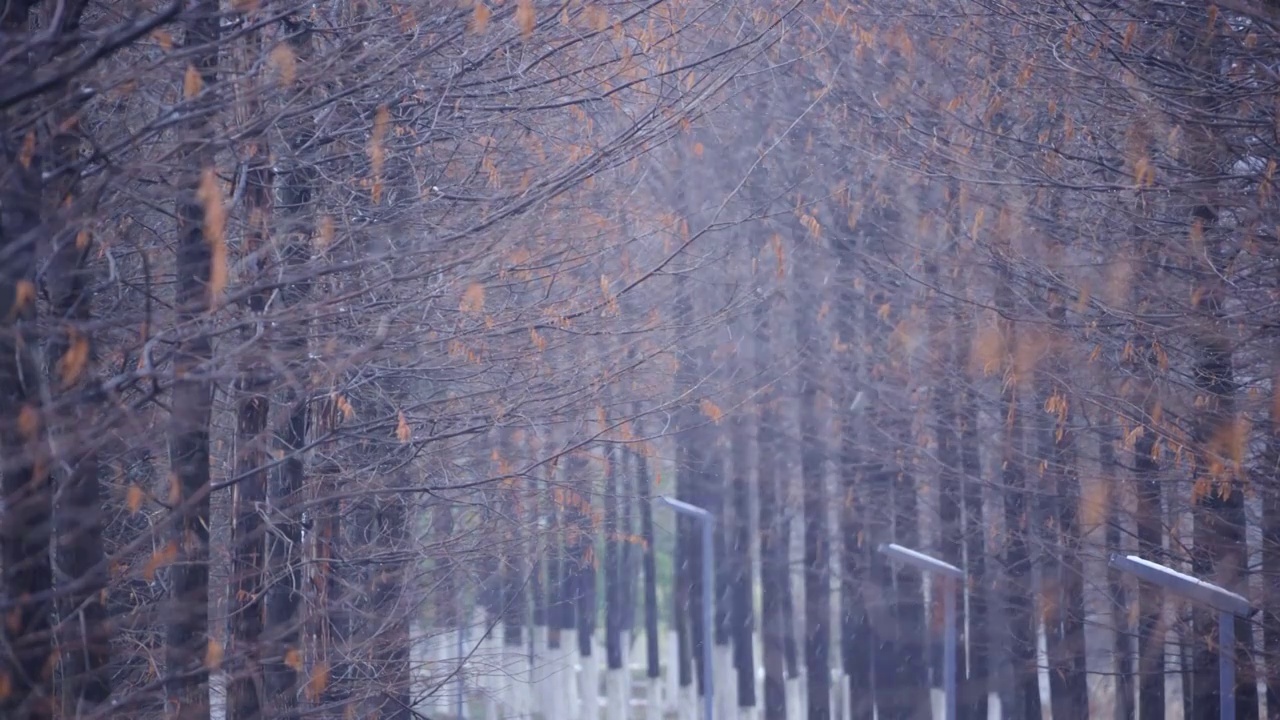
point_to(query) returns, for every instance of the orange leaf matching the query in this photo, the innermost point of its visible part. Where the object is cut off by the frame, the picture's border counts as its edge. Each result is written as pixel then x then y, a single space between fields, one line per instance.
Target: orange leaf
pixel 134 498
pixel 28 151
pixel 213 654
pixel 525 17
pixel 318 682
pixel 480 17
pixel 403 433
pixel 348 411
pixel 164 39
pixel 472 298
pixel 215 226
pixel 285 63
pixel 293 659
pixel 24 293
pixel 72 363
pixel 712 411
pixel 159 559
pixel 28 422
pixel 324 233
pixel 191 82
pixel 977 223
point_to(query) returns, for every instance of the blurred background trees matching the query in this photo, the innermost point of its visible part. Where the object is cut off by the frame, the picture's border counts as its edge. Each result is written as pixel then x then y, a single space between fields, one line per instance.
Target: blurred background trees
pixel 345 345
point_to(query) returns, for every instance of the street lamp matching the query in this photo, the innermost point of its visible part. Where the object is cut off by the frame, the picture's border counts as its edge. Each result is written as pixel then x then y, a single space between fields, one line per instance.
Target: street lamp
pixel 951 575
pixel 1228 604
pixel 704 517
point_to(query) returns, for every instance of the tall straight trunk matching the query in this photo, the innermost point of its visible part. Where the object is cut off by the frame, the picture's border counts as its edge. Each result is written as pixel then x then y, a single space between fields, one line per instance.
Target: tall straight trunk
pixel 742 615
pixel 78 516
pixel 946 433
pixel 856 646
pixel 1220 551
pixel 628 555
pixel 886 656
pixel 612 566
pixel 246 688
pixel 791 650
pixel 559 608
pixel 653 661
pixel 911 681
pixel 333 618
pixel 543 503
pixel 1116 591
pixel 681 608
pixel 1024 696
pixel 515 597
pixel 565 596
pixel 584 566
pixel 187 634
pixel 691 459
pixel 774 572
pixel 977 631
pixel 1149 518
pixel 447 606
pixel 27 514
pixel 390 639
pixel 1269 474
pixel 715 491
pixel 817 541
pixel 282 636
pixel 908 685
pixel 1064 581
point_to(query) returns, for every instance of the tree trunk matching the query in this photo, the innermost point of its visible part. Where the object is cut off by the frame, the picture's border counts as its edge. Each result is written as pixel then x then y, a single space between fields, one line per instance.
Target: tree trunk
pixel 390 639
pixel 27 513
pixel 976 686
pixel 856 646
pixel 333 616
pixel 1064 577
pixel 653 659
pixel 71 358
pixel 911 681
pixel 890 699
pixel 817 550
pixel 1024 700
pixel 245 689
pixel 773 546
pixel 187 637
pixel 947 436
pixel 1270 477
pixel 584 563
pixel 612 567
pixel 1220 553
pixel 284 561
pixel 856 637
pixel 742 619
pixel 1116 590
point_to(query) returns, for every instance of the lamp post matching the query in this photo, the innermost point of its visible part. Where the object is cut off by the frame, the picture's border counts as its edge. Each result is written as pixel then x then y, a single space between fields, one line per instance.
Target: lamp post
pixel 1228 604
pixel 703 516
pixel 951 575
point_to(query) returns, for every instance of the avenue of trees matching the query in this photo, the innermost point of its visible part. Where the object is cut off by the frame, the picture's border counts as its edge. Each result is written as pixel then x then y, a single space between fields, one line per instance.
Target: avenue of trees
pixel 345 346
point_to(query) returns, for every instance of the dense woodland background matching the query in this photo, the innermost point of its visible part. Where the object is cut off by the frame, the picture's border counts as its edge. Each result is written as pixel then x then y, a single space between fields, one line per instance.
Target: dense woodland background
pixel 327 329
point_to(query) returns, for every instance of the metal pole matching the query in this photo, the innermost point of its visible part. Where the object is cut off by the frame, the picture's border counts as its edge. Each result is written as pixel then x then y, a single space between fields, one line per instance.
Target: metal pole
pixel 1227 665
pixel 949 647
pixel 708 615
